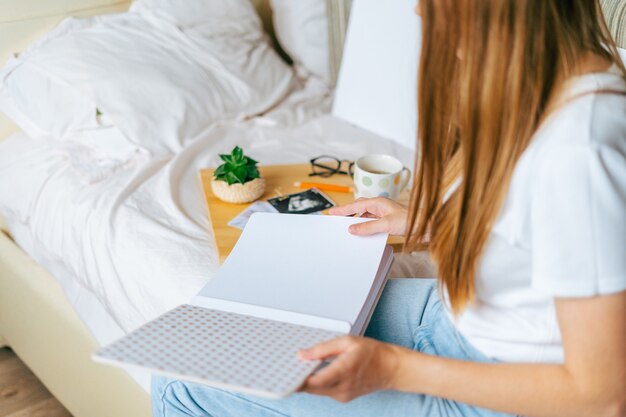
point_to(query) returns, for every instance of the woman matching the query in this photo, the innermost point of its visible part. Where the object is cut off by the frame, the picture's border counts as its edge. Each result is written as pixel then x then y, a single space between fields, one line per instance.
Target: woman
pixel 522 188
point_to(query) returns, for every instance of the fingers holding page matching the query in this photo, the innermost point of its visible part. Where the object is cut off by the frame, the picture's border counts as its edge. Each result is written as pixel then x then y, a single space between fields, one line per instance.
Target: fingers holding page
pixel 328 378
pixel 360 366
pixel 358 207
pixel 392 216
pixel 325 350
pixel 370 228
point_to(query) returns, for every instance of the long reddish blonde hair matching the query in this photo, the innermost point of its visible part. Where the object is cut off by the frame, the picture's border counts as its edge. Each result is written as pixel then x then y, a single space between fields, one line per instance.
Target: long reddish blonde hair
pixel 488 74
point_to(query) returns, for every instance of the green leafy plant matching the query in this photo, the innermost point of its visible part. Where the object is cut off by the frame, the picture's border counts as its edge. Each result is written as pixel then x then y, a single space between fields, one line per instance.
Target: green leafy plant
pixel 237 168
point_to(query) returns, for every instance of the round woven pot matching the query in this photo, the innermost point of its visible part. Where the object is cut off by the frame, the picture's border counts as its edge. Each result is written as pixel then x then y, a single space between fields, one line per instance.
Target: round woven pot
pixel 238 193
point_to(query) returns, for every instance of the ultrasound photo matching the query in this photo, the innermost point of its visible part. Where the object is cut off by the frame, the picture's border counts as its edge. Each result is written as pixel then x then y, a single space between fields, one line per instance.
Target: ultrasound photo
pixel 309 201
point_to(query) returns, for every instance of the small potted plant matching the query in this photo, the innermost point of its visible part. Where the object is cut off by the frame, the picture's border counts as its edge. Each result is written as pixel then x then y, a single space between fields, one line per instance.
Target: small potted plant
pixel 237 180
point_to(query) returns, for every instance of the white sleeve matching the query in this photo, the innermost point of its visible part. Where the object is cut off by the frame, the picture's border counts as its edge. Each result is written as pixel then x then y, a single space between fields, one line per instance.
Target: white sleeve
pixel 578 221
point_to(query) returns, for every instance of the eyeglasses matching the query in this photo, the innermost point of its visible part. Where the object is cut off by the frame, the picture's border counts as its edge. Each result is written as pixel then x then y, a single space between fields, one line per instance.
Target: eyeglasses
pixel 325 166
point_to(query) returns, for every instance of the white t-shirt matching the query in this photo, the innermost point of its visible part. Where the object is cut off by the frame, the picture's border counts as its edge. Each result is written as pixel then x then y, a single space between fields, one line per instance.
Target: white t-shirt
pixel 562 229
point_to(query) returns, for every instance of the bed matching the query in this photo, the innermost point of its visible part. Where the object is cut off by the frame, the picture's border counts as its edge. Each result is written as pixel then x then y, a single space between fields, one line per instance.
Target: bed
pixel 54 313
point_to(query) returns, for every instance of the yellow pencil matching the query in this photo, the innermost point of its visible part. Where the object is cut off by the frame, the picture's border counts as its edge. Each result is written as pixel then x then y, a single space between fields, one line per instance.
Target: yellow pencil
pixel 326 187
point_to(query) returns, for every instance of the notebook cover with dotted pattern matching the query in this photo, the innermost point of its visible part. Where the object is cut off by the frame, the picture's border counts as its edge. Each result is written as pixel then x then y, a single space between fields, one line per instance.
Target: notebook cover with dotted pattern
pixel 221 349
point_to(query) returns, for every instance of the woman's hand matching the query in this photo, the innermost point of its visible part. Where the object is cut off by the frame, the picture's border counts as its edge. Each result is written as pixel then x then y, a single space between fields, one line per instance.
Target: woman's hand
pixel 361 366
pixel 391 216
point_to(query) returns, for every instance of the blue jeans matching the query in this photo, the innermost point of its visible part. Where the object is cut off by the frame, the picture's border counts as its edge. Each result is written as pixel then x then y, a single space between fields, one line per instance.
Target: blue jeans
pixel 409 314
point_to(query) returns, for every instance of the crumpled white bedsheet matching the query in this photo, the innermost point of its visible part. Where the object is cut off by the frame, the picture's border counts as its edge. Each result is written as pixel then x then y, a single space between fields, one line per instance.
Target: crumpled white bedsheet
pixel 140 241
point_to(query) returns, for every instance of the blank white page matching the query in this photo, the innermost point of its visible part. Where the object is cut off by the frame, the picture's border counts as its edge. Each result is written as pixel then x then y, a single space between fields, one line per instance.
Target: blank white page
pixel 309 265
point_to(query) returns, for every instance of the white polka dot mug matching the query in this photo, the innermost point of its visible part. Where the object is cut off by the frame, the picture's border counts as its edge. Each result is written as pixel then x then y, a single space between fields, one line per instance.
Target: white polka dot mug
pixel 379 176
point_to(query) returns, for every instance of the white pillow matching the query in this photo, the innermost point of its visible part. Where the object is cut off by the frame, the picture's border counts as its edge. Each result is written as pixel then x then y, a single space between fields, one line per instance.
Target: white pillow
pixel 161 73
pixel 301 28
pixel 377 85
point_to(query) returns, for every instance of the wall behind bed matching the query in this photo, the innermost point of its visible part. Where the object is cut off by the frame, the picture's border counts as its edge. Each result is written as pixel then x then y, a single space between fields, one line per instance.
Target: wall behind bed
pixel 24 21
